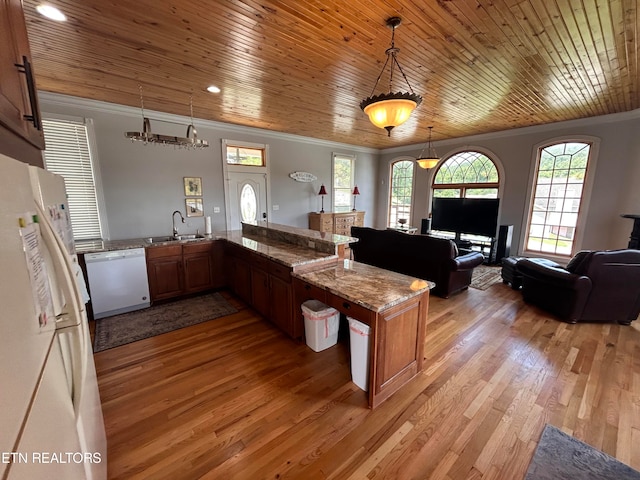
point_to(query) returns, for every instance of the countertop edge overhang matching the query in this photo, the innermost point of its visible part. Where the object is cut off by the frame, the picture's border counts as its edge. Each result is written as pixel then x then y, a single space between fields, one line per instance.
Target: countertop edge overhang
pixel 371 287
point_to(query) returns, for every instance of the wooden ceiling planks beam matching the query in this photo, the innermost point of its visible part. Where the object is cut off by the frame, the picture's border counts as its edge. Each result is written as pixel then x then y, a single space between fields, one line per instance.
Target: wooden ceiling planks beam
pixel 304 67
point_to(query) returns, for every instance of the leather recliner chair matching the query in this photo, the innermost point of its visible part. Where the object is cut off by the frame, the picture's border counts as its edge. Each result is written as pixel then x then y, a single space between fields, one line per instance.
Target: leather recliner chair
pixel 596 286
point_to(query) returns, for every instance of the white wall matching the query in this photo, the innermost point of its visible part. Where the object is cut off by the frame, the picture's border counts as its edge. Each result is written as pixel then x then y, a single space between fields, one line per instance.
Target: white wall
pixel 142 184
pixel 615 189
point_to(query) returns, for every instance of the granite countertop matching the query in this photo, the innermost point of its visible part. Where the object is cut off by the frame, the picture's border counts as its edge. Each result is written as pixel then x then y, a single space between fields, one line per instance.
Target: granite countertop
pixel 95 246
pixel 313 235
pixel 285 253
pixel 282 252
pixel 371 287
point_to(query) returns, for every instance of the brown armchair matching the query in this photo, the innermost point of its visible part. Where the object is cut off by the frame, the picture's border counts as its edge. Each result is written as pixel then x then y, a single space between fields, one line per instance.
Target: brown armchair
pixel 598 286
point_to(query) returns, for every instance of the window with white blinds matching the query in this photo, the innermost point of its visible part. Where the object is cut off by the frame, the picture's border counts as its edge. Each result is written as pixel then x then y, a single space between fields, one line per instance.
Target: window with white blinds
pixel 68 154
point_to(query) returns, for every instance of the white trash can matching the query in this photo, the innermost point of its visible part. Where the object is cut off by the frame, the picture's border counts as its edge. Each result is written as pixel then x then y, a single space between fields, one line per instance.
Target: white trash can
pixel 359 338
pixel 321 324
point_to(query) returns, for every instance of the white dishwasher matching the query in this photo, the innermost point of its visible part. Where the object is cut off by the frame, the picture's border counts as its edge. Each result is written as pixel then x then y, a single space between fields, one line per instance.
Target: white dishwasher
pixel 117 281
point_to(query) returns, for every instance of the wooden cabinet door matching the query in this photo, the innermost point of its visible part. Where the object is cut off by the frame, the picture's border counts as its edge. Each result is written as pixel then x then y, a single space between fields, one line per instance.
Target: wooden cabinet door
pixel 281 302
pixel 197 272
pixel 165 277
pixel 240 278
pixel 260 291
pixel 218 276
pixel 400 346
pixel 16 99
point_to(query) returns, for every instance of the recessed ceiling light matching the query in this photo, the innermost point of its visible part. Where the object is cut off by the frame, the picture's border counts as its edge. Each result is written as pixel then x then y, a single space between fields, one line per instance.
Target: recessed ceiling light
pixel 51 12
pixel 213 89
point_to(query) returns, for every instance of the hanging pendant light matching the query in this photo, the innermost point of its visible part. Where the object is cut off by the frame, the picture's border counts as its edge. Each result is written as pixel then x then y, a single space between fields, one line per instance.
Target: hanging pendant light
pixel 146 136
pixel 431 159
pixel 388 110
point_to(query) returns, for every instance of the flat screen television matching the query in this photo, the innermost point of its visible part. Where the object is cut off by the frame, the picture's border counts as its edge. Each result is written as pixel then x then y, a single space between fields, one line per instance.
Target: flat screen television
pixel 475 216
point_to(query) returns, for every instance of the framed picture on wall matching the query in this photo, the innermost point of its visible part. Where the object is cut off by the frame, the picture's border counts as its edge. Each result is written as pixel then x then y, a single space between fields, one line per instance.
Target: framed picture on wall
pixel 194 207
pixel 193 186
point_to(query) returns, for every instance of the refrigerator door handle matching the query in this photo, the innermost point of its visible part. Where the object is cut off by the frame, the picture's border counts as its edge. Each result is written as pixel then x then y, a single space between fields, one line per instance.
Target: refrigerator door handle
pixel 73 308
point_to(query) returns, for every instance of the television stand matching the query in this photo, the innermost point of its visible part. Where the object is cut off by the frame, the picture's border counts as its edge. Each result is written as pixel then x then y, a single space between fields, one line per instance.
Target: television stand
pixel 484 247
pixel 494 249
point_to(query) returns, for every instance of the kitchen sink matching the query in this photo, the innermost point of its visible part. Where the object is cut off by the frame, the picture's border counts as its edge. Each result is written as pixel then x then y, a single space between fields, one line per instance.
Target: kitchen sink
pixel 160 239
pixel 191 236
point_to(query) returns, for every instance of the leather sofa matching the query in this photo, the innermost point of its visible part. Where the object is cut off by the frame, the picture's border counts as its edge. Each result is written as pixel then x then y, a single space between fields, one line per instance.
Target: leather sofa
pixel 420 256
pixel 596 286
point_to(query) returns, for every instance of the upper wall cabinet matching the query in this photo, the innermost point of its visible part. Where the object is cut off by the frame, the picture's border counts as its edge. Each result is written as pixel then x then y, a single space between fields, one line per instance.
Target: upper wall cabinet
pixel 19 111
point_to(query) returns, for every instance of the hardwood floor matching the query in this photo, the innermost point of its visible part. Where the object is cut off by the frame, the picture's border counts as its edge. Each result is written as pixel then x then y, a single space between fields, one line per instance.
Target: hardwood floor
pixel 234 398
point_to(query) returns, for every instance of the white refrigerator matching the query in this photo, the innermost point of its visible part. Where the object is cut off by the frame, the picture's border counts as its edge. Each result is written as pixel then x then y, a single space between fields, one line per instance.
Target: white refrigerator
pixel 51 423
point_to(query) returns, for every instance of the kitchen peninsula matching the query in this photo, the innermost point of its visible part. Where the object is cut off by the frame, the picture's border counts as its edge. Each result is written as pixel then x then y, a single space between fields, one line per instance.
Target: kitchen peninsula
pixel 276 268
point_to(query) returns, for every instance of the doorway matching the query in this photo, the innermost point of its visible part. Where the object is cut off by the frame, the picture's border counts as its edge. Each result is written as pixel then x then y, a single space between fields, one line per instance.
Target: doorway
pixel 246 198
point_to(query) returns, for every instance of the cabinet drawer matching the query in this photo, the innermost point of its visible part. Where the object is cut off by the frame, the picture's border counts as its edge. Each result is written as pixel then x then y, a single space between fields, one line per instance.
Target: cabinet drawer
pixel 349 308
pixel 163 251
pixel 327 225
pixel 278 270
pixel 258 261
pixel 197 247
pixel 306 291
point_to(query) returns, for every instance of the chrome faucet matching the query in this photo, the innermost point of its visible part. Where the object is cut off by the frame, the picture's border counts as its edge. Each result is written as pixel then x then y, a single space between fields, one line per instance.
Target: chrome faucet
pixel 173 221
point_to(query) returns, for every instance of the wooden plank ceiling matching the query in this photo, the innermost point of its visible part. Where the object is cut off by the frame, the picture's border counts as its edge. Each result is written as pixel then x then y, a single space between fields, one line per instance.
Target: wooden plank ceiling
pixel 303 67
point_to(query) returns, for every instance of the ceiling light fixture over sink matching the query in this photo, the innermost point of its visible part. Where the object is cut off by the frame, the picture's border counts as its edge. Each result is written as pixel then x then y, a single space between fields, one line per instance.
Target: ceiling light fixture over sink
pixel 189 142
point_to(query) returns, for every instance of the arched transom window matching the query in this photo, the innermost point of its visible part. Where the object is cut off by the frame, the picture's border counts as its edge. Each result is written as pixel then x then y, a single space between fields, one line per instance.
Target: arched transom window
pixel 467 174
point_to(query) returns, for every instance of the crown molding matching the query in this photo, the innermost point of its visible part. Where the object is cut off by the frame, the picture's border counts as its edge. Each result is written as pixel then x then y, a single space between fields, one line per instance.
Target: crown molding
pixel 547 127
pixel 56 99
pixel 60 100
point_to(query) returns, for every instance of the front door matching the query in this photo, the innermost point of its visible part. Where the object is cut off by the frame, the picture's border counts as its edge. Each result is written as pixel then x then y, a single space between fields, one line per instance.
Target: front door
pixel 247 199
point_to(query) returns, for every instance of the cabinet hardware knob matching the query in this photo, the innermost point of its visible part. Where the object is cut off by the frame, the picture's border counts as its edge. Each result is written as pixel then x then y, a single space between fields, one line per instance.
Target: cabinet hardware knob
pixel 346 305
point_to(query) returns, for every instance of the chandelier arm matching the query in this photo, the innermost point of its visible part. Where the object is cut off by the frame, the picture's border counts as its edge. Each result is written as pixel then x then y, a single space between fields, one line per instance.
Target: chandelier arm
pixel 402 72
pixel 379 77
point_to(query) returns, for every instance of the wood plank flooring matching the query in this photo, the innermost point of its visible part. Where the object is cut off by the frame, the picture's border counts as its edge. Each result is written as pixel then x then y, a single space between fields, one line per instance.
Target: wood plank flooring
pixel 234 398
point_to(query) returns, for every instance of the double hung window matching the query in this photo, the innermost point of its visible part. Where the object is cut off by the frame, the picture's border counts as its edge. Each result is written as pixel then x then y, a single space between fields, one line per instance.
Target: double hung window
pixel 68 154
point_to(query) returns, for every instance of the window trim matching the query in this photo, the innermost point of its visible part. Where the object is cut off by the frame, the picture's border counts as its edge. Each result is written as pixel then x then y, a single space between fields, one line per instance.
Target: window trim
pixel 471 148
pixel 95 164
pixel 413 188
pixel 352 180
pixel 584 200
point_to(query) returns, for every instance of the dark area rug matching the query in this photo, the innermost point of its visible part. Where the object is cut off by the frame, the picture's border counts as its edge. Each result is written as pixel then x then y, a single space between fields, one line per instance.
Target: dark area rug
pixel 484 276
pixel 130 327
pixel 562 457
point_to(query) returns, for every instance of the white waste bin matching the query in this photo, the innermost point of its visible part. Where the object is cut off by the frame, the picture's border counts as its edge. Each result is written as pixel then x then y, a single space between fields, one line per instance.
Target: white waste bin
pixel 359 339
pixel 321 324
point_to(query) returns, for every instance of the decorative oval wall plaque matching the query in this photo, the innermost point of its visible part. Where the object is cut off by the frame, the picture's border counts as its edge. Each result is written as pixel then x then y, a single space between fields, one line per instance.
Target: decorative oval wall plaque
pixel 303 177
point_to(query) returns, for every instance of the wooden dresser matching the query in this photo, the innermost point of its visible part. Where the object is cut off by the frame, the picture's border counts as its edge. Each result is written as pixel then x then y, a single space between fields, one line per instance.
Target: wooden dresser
pixel 336 223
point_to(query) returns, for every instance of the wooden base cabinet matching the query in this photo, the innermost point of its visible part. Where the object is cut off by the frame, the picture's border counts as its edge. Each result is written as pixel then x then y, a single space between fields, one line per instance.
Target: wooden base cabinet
pixel 182 269
pixel 396 349
pixel 265 285
pixel 165 272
